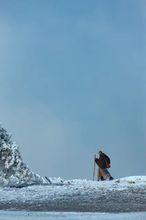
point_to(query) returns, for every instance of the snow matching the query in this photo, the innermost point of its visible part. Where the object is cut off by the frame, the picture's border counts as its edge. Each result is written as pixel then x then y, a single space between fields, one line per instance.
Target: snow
pixel 21 189
pixel 13 171
pixel 134 179
pixel 9 215
pixel 121 195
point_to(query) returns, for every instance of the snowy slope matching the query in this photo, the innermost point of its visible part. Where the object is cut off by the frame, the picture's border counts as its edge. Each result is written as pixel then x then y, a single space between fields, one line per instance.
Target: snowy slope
pixel 122 195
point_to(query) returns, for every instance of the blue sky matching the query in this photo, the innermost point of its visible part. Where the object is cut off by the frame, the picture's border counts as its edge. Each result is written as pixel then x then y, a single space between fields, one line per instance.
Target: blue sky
pixel 72 80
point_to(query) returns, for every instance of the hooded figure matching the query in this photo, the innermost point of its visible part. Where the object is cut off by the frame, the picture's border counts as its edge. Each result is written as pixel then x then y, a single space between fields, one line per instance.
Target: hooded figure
pixel 103 163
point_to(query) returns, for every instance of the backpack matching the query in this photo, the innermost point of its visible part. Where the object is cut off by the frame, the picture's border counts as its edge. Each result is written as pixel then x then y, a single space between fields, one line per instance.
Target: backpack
pixel 107 161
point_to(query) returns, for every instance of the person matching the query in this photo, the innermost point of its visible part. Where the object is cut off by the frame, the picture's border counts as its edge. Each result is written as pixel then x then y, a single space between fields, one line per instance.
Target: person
pixel 103 162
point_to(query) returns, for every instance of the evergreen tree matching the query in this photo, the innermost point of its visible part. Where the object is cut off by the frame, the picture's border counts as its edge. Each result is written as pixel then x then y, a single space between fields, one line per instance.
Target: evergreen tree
pixel 12 169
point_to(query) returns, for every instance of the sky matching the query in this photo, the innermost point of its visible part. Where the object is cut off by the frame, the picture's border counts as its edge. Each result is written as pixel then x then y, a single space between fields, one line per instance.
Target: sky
pixel 73 81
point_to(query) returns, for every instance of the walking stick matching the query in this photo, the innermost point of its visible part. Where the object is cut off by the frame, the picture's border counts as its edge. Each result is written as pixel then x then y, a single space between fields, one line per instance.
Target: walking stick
pixel 94 167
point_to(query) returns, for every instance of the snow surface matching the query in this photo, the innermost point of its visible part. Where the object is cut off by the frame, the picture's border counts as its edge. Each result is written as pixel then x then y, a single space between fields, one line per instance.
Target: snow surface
pixel 9 215
pixel 121 195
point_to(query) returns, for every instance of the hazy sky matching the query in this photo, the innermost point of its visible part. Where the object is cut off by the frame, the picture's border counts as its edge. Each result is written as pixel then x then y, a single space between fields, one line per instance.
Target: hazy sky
pixel 72 80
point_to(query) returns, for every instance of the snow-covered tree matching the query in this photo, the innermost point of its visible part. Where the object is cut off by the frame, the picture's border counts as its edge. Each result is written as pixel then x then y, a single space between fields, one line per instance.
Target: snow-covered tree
pixel 13 171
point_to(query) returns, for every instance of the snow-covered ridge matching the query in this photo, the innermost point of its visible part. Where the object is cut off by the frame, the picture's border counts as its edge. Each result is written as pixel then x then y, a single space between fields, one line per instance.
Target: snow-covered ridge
pixel 136 181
